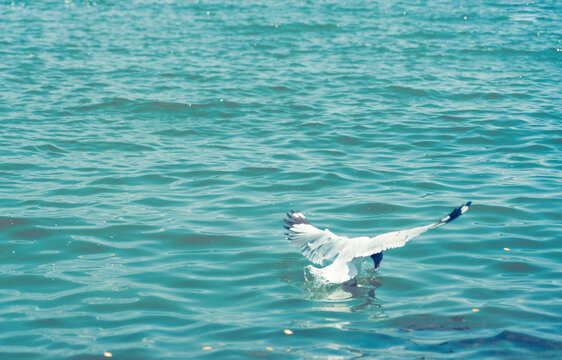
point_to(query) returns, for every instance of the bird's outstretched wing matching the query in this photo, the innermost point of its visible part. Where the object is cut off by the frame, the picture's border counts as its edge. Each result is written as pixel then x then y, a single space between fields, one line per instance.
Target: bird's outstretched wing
pixel 315 244
pixel 362 247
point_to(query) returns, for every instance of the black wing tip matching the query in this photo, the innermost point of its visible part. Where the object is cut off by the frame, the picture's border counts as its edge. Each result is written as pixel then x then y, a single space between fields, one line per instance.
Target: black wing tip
pixel 456 213
pixel 295 217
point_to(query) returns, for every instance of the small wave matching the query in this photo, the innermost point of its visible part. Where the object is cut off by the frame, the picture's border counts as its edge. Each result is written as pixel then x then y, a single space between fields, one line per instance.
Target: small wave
pixel 160 106
pixel 49 149
pixel 143 179
pixel 283 89
pixel 369 208
pixel 159 202
pixel 405 90
pixel 523 17
pixel 143 106
pixel 176 132
pixel 99 146
pixel 114 103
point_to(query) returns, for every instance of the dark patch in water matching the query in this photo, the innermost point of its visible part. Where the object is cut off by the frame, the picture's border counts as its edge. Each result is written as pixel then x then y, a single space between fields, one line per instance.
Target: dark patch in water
pixel 436 323
pixel 517 340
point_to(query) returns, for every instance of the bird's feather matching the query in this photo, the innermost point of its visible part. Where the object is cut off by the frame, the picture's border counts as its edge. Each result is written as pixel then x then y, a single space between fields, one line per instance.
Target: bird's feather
pixel 316 245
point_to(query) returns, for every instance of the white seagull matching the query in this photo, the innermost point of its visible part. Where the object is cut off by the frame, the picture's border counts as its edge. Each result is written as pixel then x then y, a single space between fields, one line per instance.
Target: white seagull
pixel 319 246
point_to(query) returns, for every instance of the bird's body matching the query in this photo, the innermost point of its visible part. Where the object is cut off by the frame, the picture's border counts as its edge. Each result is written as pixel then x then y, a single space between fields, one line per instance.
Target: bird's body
pixel 320 246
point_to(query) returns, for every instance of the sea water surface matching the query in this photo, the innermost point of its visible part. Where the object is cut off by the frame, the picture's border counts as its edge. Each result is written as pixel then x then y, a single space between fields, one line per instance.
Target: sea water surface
pixel 150 149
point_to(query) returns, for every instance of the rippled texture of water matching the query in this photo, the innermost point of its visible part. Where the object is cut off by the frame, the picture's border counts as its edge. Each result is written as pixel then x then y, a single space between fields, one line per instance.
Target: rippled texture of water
pixel 150 149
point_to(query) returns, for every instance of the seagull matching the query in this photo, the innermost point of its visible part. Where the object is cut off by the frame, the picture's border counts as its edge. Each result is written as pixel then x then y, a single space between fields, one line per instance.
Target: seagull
pixel 320 246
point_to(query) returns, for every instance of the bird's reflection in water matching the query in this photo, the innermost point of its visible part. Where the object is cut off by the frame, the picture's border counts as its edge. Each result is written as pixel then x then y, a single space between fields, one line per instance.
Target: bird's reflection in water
pixel 357 295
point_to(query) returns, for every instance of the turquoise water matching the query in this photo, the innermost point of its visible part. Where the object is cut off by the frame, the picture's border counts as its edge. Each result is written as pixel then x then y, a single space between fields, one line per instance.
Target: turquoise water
pixel 149 151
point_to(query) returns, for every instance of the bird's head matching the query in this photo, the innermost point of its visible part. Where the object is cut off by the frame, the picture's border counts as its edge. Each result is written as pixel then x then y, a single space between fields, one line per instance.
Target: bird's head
pixel 377 258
